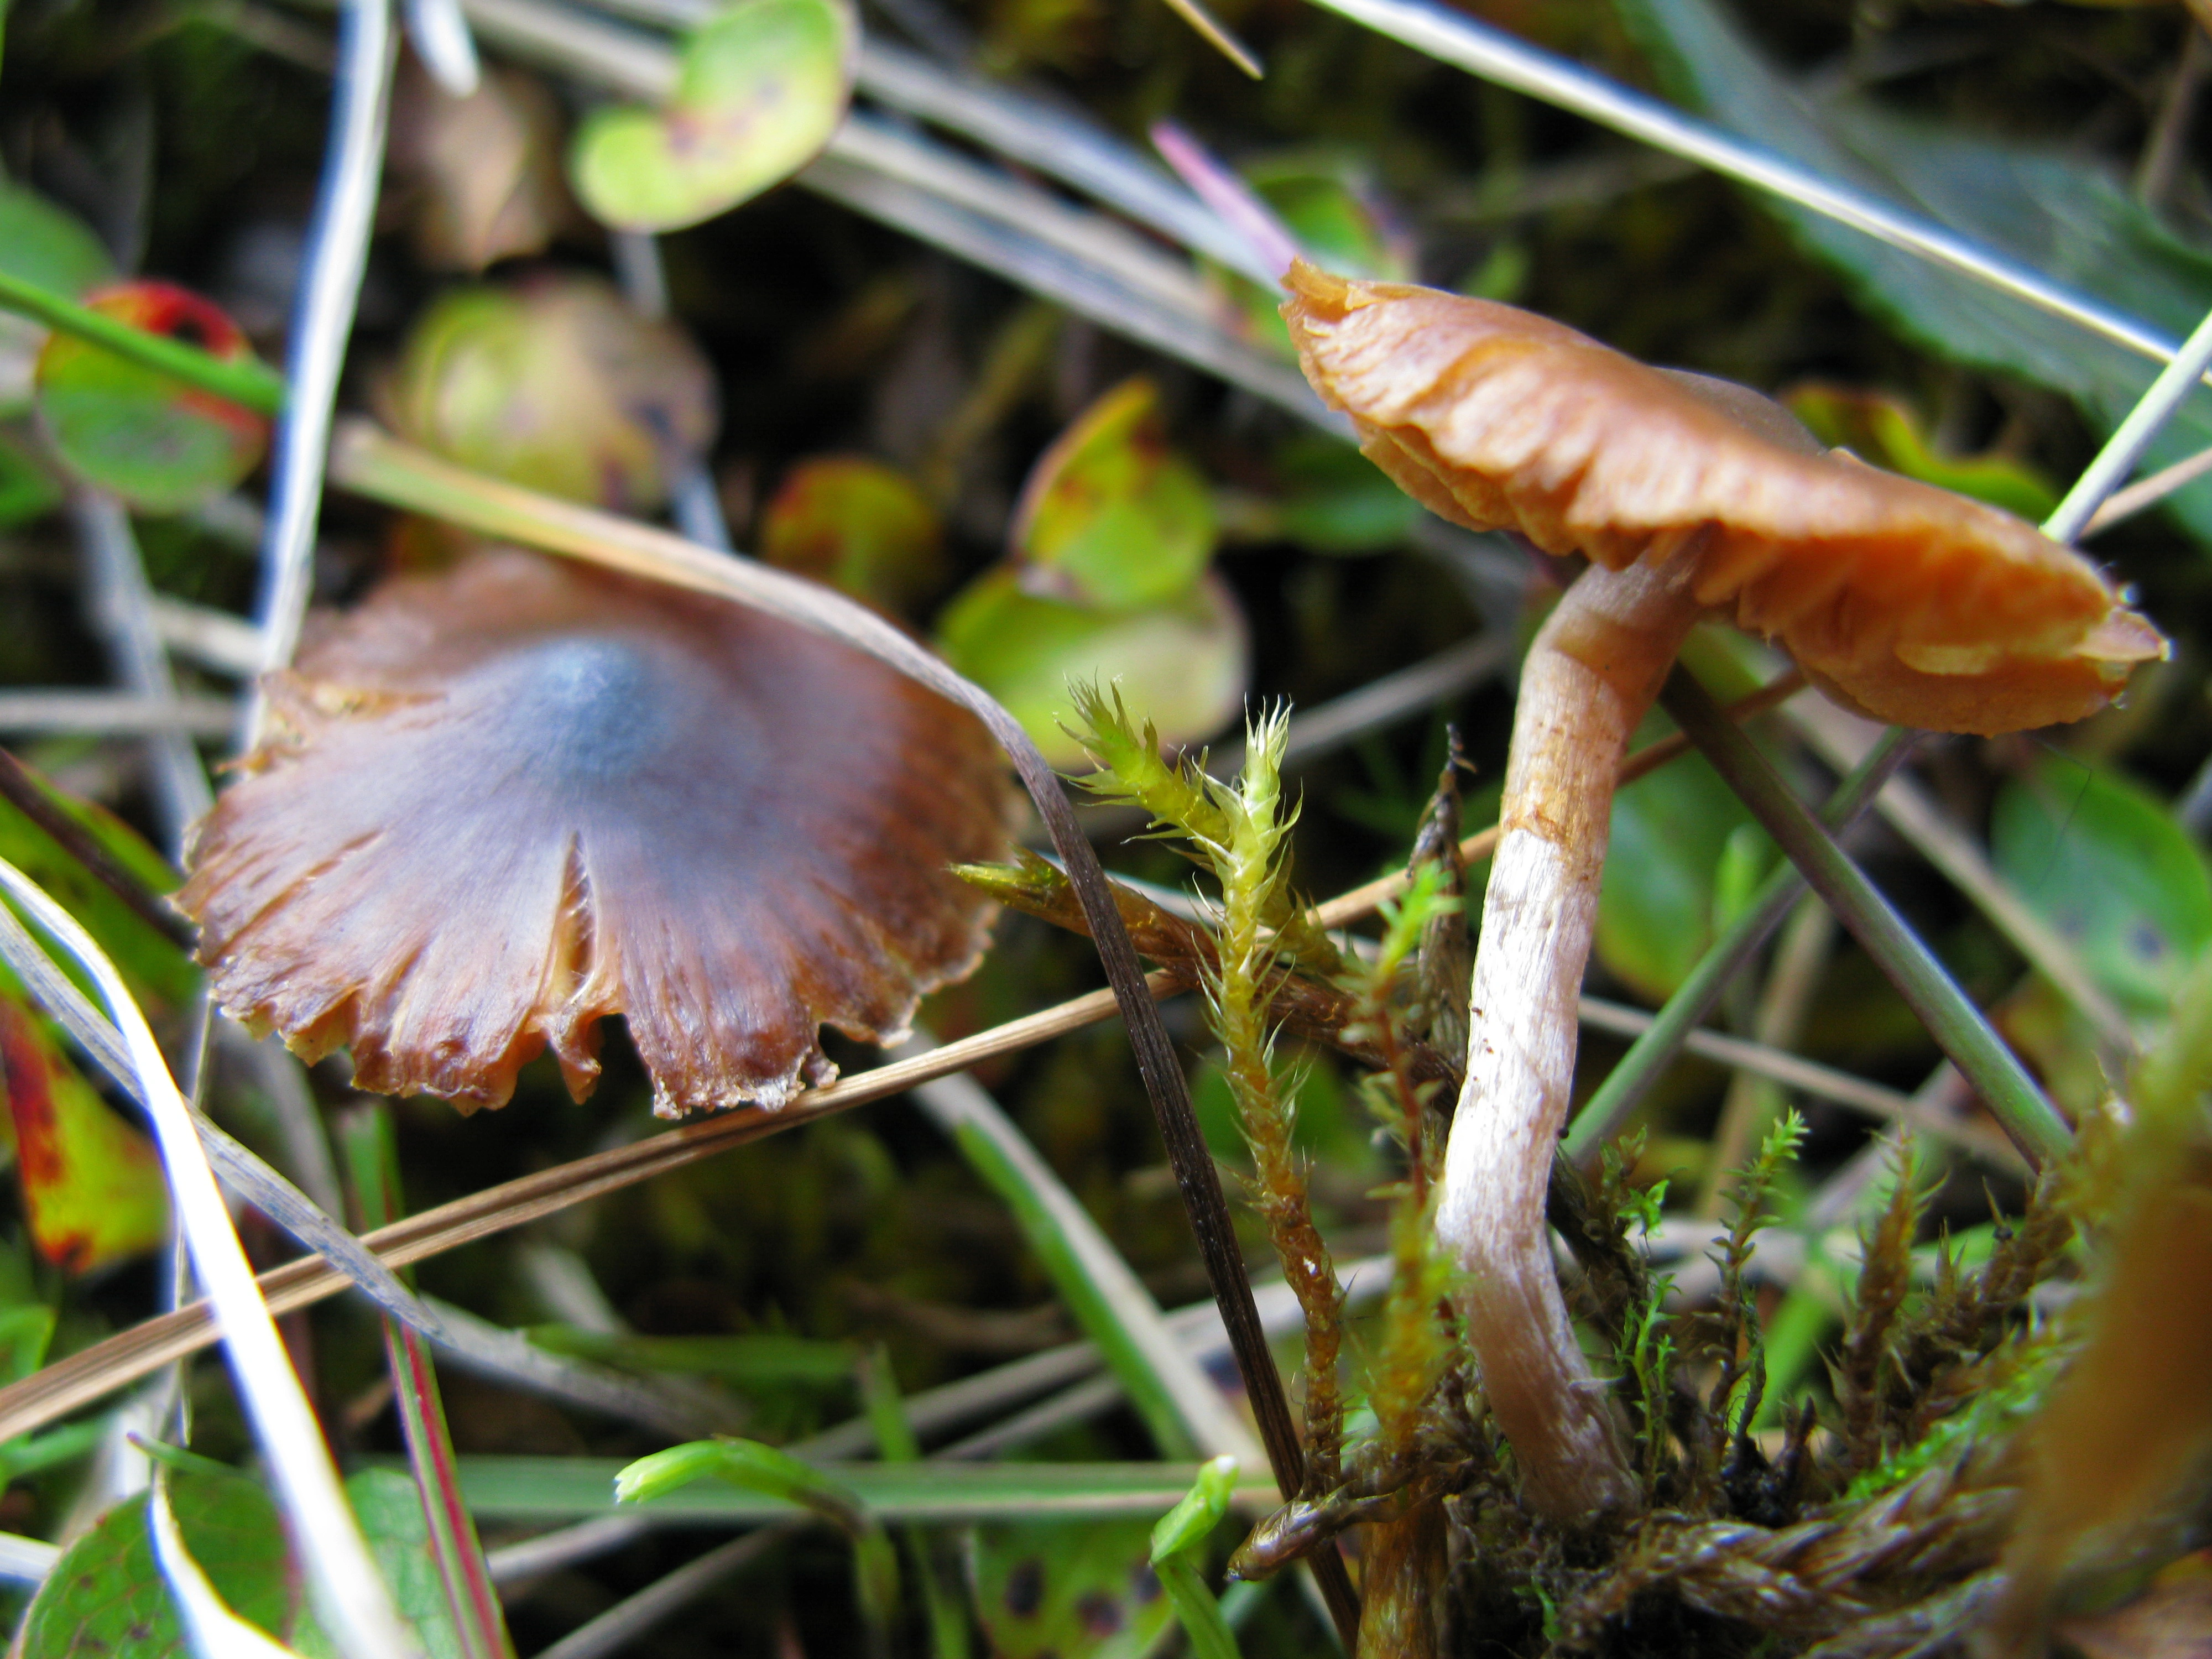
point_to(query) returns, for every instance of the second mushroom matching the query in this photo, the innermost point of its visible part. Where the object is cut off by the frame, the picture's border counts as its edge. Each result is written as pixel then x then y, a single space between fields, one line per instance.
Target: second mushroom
pixel 1689 498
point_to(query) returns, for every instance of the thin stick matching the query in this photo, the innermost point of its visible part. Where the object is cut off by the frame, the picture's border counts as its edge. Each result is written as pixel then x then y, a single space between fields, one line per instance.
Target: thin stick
pixel 1211 30
pixel 122 606
pixel 1604 1113
pixel 2174 384
pixel 337 255
pixel 2147 492
pixel 21 792
pixel 1958 1026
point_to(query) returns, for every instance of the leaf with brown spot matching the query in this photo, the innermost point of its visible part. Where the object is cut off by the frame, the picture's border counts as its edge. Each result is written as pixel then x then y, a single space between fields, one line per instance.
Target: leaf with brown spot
pixel 92 1185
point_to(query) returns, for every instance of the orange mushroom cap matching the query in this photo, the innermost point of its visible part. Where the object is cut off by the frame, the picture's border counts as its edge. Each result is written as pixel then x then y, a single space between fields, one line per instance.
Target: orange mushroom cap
pixel 1900 600
pixel 500 803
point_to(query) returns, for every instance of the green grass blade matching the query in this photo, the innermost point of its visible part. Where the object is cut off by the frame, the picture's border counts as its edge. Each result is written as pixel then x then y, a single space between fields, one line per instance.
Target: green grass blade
pixel 1928 988
pixel 371 1164
pixel 1609 1109
pixel 249 383
pixel 1178 1401
pixel 552 1490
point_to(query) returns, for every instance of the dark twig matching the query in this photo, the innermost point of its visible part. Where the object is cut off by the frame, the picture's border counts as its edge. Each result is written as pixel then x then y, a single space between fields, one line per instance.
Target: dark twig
pixel 22 792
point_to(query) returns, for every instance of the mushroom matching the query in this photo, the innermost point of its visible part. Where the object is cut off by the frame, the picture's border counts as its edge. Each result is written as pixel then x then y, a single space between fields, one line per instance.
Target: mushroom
pixel 1689 496
pixel 500 803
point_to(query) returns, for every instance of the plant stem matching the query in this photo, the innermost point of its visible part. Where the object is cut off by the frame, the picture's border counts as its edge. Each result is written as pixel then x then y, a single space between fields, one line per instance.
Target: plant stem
pixel 246 381
pixel 1589 680
pixel 1605 1112
pixel 1957 1026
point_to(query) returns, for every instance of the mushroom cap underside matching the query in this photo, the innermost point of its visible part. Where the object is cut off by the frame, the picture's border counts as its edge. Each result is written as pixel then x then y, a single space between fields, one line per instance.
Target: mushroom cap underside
pixel 499 803
pixel 1901 600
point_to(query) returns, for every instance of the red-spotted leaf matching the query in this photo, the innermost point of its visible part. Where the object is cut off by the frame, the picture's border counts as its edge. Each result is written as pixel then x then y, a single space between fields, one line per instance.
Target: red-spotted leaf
pixel 1111 515
pixel 1074 1592
pixel 161 445
pixel 859 526
pixel 92 1183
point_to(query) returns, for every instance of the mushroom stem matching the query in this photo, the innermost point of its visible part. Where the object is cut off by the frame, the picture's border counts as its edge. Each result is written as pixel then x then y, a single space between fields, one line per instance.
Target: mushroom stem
pixel 1590 677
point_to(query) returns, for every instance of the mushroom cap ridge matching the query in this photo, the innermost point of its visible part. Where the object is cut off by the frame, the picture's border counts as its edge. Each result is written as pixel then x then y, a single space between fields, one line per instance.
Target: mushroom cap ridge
pixel 1900 600
pixel 502 803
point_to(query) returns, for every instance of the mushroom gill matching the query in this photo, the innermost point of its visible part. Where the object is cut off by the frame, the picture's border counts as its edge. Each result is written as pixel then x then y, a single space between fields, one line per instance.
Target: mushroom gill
pixel 499 803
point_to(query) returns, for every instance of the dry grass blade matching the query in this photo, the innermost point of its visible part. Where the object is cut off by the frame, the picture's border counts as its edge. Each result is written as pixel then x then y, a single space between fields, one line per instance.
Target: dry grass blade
pixel 1211 31
pixel 92 1372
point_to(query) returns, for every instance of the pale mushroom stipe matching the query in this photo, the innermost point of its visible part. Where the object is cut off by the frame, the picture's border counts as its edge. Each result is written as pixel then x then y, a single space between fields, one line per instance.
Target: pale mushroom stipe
pixel 1690 497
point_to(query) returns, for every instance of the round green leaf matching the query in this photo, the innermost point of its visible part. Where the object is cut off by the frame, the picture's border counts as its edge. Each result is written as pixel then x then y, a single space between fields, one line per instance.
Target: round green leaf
pixel 161 445
pixel 858 527
pixel 1110 515
pixel 2103 861
pixel 558 385
pixel 1086 1592
pixel 762 85
pixel 41 244
pixel 1180 664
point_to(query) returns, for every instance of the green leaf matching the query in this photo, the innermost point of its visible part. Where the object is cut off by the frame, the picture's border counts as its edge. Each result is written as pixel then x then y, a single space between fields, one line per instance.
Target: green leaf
pixel 777 1474
pixel 2053 211
pixel 548 1489
pixel 1332 500
pixel 29 489
pixel 1188 1524
pixel 42 243
pixel 105 1598
pixel 1074 1592
pixel 1885 431
pixel 1111 516
pixel 157 970
pixel 859 526
pixel 1180 664
pixel 160 444
pixel 390 1508
pixel 762 86
pixel 92 1185
pixel 1671 832
pixel 2103 861
pixel 556 384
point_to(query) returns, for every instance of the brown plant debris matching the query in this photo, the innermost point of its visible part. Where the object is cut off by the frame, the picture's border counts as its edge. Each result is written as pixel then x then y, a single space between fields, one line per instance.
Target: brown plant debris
pixel 497 804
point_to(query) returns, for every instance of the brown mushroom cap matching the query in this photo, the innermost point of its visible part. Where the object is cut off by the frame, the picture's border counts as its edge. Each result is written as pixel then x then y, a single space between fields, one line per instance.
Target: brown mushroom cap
pixel 1900 600
pixel 502 802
